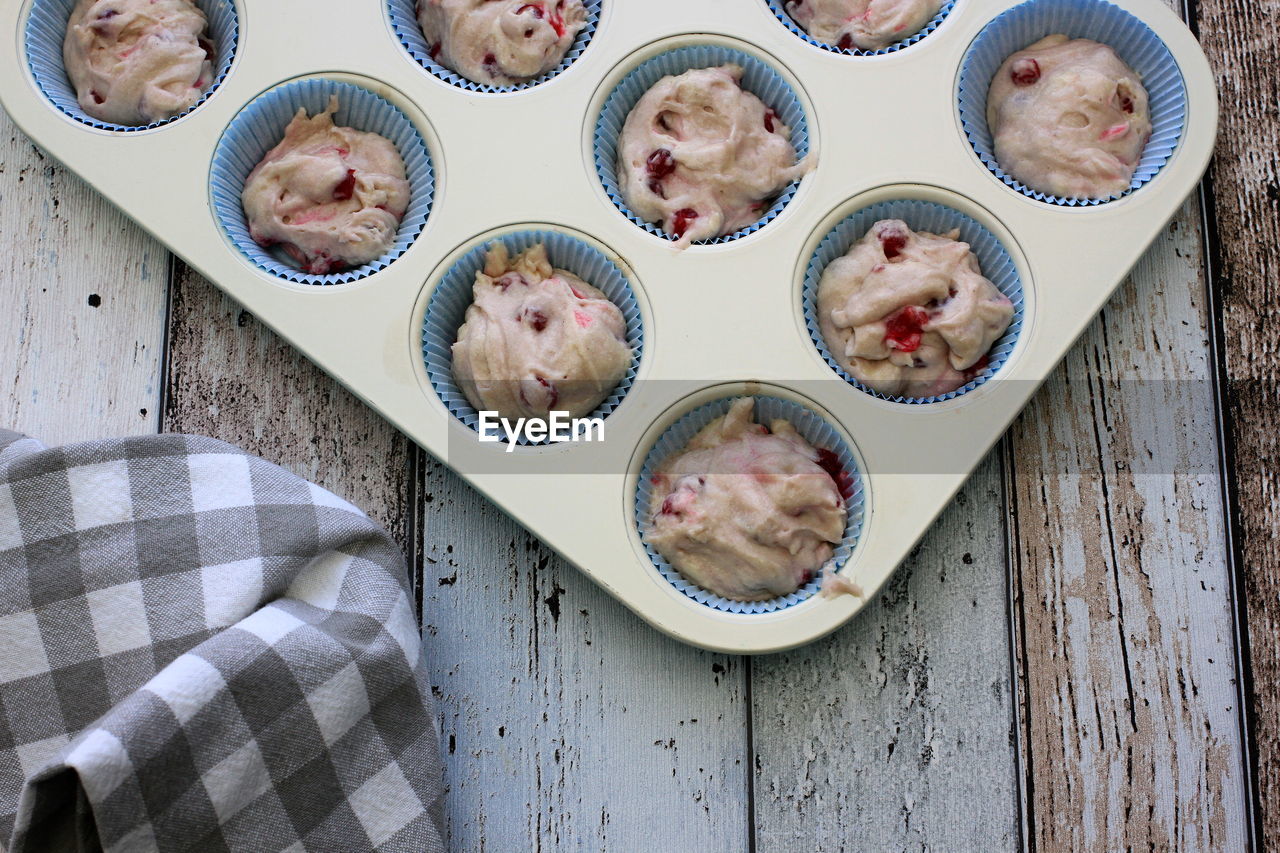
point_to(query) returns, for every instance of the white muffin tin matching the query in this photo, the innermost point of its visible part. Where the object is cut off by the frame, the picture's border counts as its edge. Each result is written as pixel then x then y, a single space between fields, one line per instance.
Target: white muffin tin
pixel 719 319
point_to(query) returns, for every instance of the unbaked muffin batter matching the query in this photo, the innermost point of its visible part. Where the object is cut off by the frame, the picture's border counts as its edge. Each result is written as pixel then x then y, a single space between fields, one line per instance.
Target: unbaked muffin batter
pixel 500 42
pixel 538 339
pixel 703 157
pixel 908 312
pixel 862 24
pixel 331 197
pixel 1069 118
pixel 747 511
pixel 134 62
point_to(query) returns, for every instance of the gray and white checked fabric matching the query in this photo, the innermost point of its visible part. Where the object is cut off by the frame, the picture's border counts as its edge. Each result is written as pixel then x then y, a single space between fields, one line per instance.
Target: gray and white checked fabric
pixel 201 651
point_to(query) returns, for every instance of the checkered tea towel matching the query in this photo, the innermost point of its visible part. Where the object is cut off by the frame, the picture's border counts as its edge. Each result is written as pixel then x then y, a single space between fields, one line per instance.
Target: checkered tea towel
pixel 201 651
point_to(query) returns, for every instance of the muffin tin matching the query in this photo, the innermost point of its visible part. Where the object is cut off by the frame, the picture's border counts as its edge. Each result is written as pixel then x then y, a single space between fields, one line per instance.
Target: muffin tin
pixel 718 320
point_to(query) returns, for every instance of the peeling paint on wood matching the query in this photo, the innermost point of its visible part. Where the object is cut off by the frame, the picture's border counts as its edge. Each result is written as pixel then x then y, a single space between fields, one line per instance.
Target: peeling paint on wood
pixel 1130 734
pixel 569 724
pixel 896 732
pixel 83 298
pixel 232 378
pixel 1241 38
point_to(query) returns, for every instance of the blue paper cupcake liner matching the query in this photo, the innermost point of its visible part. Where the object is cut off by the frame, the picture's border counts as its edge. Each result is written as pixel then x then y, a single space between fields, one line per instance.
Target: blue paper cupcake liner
pixel 994 260
pixel 447 309
pixel 46 30
pixel 260 125
pixel 1100 21
pixel 758 78
pixel 815 429
pixel 404 21
pixel 778 7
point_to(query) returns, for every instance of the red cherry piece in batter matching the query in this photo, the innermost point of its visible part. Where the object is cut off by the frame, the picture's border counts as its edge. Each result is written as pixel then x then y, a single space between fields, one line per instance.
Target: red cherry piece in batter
pixel 892 240
pixel 683 218
pixel 557 22
pixel 346 188
pixel 660 164
pixel 830 463
pixel 536 320
pixel 1025 72
pixel 902 329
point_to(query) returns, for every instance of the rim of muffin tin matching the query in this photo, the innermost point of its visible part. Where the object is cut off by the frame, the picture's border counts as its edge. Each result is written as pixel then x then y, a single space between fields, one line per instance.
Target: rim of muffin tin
pixel 260 124
pixel 925 213
pixel 779 11
pixel 567 249
pixel 403 17
pixel 622 89
pixel 819 428
pixel 45 31
pixel 1099 20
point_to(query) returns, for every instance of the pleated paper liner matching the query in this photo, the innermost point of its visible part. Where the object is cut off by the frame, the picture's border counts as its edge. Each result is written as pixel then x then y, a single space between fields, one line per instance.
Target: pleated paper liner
pixel 1100 21
pixel 920 216
pixel 404 22
pixel 448 305
pixel 759 78
pixel 778 7
pixel 258 127
pixel 46 29
pixel 815 429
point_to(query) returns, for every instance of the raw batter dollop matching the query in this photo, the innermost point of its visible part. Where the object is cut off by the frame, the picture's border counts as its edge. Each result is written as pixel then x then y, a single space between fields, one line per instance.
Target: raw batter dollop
pixel 500 42
pixel 134 62
pixel 538 339
pixel 332 197
pixel 746 511
pixel 703 157
pixel 1069 118
pixel 864 24
pixel 908 312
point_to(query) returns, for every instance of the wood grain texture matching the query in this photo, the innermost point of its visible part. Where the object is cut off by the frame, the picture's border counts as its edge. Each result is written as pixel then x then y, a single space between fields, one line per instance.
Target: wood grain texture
pixel 1128 695
pixel 231 378
pixel 567 723
pixel 82 291
pixel 1240 39
pixel 895 733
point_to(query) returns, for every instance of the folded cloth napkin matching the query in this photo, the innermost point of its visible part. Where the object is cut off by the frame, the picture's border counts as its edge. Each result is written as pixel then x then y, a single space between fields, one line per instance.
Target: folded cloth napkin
pixel 201 651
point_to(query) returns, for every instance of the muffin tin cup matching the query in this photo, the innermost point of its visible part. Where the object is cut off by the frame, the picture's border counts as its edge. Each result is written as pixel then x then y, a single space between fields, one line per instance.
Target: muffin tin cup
pixel 404 22
pixel 815 429
pixel 260 125
pixel 778 7
pixel 759 78
pixel 46 29
pixel 447 308
pixel 1100 21
pixel 996 263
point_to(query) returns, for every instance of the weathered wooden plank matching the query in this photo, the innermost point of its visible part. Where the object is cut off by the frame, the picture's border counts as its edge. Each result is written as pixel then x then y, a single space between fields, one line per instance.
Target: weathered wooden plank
pixel 231 378
pixel 567 723
pixel 895 732
pixel 1130 731
pixel 82 291
pixel 1240 38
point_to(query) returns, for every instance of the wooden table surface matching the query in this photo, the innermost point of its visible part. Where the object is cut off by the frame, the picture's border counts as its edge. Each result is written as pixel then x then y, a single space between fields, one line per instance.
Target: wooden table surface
pixel 1083 654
